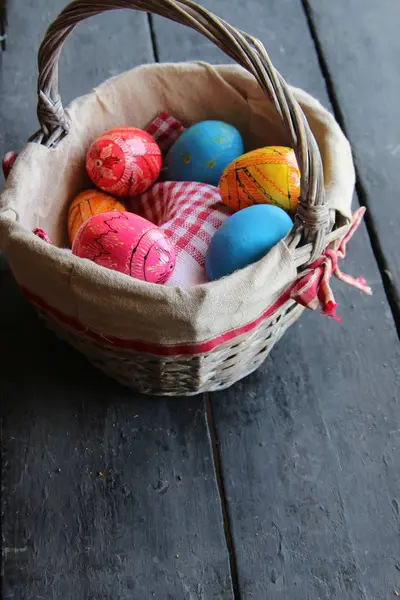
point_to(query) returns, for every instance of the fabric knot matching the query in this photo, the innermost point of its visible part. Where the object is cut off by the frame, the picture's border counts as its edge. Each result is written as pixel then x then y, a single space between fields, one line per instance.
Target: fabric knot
pixel 312 217
pixel 313 286
pixel 7 162
pixel 51 114
pixel 42 235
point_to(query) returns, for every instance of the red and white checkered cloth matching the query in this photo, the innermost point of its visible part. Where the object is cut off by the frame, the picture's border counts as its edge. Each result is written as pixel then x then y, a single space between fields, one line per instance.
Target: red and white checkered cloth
pixel 189 213
pixel 165 130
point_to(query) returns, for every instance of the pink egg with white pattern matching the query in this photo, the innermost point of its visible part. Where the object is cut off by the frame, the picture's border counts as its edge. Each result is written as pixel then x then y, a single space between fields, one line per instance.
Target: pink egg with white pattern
pixel 127 243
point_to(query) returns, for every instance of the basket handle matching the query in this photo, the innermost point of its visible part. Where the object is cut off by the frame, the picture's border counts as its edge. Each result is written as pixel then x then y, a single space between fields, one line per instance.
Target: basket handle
pixel 312 217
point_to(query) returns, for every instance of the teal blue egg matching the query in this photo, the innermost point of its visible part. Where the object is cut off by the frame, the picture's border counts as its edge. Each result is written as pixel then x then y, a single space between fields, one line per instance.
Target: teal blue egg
pixel 244 238
pixel 203 151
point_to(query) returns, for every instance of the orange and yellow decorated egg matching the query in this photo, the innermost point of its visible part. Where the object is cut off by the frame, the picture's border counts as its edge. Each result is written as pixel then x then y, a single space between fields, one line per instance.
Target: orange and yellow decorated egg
pixel 267 175
pixel 85 205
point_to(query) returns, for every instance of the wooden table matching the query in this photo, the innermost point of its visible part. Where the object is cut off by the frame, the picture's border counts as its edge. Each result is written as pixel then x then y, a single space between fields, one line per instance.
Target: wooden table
pixel 3 22
pixel 285 486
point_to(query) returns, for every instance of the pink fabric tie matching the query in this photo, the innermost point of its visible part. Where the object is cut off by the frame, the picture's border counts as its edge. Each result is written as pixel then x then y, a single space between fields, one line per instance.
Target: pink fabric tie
pixel 313 287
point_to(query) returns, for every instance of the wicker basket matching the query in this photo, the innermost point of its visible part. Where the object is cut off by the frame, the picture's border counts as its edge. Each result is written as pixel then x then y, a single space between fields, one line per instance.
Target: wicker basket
pixel 158 339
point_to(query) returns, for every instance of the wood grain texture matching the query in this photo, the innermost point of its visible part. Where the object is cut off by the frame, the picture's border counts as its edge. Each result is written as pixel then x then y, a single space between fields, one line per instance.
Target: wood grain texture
pixel 290 51
pixel 361 48
pixel 99 48
pixel 309 447
pixel 3 25
pixel 105 494
pixel 308 444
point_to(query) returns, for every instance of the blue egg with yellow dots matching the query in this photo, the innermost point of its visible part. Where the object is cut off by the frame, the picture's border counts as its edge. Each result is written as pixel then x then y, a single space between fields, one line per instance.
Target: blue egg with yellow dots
pixel 244 238
pixel 203 151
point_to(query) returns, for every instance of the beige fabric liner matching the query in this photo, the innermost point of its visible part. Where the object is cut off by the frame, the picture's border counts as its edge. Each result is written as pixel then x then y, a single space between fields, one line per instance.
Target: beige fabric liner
pixel 43 182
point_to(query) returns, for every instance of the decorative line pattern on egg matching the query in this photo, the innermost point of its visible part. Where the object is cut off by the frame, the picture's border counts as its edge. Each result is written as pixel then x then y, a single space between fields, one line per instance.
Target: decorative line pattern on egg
pixel 127 243
pixel 124 161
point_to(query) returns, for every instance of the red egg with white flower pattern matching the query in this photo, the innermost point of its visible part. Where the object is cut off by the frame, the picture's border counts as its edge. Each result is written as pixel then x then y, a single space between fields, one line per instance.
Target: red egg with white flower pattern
pixel 127 243
pixel 124 161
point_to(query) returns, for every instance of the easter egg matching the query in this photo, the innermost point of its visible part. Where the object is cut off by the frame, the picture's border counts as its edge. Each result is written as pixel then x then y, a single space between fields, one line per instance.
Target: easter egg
pixel 244 238
pixel 203 151
pixel 126 243
pixel 268 175
pixel 124 161
pixel 85 205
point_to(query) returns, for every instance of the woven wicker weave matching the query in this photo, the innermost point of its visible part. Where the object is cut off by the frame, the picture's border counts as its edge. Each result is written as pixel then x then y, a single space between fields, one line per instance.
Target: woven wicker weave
pixel 229 361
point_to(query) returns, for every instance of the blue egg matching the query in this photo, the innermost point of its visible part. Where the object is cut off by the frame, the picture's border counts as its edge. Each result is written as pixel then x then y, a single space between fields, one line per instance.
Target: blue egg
pixel 203 151
pixel 244 238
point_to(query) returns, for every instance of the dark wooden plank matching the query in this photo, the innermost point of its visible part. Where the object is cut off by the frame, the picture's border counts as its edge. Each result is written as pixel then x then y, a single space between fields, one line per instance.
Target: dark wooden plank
pixel 361 51
pixel 308 444
pixel 309 450
pixel 3 25
pixel 100 47
pixel 105 493
pixel 279 25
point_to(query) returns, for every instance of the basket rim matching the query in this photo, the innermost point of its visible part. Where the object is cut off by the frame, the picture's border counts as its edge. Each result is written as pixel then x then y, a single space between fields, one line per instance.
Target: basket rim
pixel 17 239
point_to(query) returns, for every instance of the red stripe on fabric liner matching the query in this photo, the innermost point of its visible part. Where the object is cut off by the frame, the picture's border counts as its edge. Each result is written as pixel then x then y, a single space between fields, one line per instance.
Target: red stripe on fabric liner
pixel 318 274
pixel 149 348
